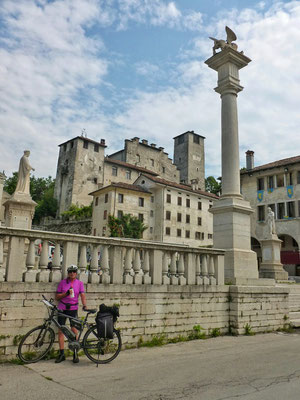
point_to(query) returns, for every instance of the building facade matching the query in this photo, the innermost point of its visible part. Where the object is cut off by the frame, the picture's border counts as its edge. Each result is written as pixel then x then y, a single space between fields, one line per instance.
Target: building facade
pixel 172 212
pixel 275 185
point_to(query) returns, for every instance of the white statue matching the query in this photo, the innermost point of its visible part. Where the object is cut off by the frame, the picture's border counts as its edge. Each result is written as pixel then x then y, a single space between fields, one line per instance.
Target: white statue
pixel 271 222
pixel 222 44
pixel 23 184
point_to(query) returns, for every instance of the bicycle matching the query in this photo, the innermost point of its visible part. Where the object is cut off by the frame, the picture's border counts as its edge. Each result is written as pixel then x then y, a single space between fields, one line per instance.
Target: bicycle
pixel 37 343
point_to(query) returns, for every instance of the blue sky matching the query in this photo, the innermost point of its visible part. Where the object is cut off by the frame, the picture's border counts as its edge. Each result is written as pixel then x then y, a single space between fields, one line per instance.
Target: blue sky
pixel 125 68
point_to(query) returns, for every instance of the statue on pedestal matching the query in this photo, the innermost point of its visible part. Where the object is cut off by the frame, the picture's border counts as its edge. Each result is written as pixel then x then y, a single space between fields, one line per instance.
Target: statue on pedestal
pixel 23 184
pixel 222 44
pixel 271 222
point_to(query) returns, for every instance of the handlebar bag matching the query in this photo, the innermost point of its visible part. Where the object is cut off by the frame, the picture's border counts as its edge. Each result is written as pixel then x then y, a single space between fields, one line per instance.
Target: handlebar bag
pixel 105 325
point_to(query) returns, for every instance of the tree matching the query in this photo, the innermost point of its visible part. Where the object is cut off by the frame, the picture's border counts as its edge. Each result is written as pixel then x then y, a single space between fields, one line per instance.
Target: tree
pixel 212 186
pixel 127 226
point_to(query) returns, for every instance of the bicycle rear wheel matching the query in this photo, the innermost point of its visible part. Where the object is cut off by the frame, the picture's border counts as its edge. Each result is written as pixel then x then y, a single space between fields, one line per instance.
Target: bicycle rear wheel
pixel 99 350
pixel 36 344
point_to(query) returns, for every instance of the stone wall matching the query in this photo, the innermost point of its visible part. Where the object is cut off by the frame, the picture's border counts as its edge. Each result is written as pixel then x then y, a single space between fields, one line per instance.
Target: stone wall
pixel 82 227
pixel 150 310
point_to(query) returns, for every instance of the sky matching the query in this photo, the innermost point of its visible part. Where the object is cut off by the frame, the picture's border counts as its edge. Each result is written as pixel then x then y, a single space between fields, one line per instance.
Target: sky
pixel 116 69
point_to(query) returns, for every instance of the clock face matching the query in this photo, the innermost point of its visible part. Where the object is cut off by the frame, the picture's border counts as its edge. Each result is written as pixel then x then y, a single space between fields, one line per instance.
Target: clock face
pixel 196 158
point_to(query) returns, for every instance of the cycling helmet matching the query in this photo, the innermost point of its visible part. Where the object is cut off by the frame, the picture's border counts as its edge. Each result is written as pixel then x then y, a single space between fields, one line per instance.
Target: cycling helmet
pixel 72 268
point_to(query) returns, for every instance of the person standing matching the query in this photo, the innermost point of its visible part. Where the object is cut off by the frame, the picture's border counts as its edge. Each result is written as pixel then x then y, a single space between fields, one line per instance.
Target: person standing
pixel 67 294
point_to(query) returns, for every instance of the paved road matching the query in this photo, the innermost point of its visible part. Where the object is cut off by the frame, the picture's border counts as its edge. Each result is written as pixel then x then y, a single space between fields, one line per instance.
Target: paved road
pixel 260 367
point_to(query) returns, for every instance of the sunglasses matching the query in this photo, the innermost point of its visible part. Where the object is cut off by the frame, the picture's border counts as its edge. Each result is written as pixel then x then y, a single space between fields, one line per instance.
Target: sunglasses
pixel 72 272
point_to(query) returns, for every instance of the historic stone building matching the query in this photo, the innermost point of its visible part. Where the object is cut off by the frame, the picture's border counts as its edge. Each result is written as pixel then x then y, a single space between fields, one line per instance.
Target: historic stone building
pixel 275 185
pixel 2 196
pixel 173 212
pixel 83 167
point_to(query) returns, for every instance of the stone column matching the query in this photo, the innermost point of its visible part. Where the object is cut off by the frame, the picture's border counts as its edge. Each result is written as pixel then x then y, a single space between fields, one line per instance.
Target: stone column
pixel 232 212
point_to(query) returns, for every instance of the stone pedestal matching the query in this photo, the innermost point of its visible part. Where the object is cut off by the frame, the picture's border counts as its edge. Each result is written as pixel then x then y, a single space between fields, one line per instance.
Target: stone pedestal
pixel 271 266
pixel 232 212
pixel 19 211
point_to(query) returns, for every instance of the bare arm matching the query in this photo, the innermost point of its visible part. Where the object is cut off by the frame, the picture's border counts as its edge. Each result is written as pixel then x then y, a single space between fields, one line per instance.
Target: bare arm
pixel 83 299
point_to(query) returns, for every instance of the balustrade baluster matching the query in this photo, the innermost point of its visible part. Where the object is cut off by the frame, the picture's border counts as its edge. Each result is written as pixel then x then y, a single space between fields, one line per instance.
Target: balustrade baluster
pixel 138 278
pixel 30 274
pixel 2 268
pixel 211 270
pixel 146 268
pixel 83 276
pixel 105 277
pixel 127 267
pixel 173 269
pixel 43 274
pixel 56 273
pixel 204 270
pixel 94 276
pixel 165 270
pixel 181 277
pixel 199 279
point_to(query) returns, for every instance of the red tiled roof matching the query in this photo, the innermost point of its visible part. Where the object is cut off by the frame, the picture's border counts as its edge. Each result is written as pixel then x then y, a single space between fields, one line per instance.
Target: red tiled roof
pixel 181 186
pixel 125 164
pixel 122 185
pixel 275 164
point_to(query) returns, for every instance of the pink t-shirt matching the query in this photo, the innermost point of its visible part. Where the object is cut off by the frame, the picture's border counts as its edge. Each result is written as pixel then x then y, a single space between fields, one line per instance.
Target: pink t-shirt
pixel 63 287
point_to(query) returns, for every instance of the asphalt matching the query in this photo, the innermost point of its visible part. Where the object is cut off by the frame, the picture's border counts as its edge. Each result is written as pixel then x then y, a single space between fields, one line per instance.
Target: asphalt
pixel 246 367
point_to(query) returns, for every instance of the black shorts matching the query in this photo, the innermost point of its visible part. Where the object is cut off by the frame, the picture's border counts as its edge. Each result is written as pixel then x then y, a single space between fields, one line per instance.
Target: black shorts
pixel 62 320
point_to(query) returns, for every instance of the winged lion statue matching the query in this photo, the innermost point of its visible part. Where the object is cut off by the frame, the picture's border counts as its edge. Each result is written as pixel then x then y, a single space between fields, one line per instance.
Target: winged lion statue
pixel 222 44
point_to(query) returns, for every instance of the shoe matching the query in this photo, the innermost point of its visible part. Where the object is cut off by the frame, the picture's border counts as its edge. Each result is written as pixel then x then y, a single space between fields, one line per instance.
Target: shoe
pixel 75 357
pixel 60 358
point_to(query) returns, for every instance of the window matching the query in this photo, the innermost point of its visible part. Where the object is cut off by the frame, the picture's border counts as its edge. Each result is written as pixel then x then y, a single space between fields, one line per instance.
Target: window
pixel 95 181
pixel 197 235
pixel 106 198
pixel 260 184
pixel 280 210
pixel 96 201
pixel 291 209
pixel 295 244
pixel 178 217
pixel 152 199
pixel 152 162
pixel 188 202
pixel 168 198
pixel 85 144
pixel 168 215
pixel 120 214
pixel 96 148
pixel 151 213
pixel 164 170
pixel 178 232
pixel 298 177
pixel 298 208
pixel 196 139
pixel 168 231
pixel 179 201
pixel 72 145
pixel 280 180
pixel 65 147
pixel 289 179
pixel 95 232
pixel 151 229
pixel 138 158
pixel 114 171
pixel 187 218
pixel 209 235
pixel 187 234
pixel 199 205
pixel 210 205
pixel 199 221
pixel 105 214
pixel 120 198
pixel 141 217
pixel 141 201
pixel 270 182
pixel 261 213
pixel 128 174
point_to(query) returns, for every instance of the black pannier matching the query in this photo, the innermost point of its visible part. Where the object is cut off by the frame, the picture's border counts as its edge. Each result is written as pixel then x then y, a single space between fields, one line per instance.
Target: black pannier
pixel 105 319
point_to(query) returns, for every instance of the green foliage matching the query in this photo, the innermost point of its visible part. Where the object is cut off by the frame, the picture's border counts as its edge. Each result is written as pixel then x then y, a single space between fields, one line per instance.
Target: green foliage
pixel 17 339
pixel 157 340
pixel 47 206
pixel 248 330
pixel 127 226
pixel 212 186
pixel 196 333
pixel 77 213
pixel 215 332
pixel 11 183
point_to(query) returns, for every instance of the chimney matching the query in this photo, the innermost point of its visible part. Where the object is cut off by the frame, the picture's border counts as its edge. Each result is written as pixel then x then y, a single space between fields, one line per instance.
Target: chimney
pixel 249 160
pixel 135 139
pixel 144 141
pixel 153 145
pixel 161 148
pixel 102 142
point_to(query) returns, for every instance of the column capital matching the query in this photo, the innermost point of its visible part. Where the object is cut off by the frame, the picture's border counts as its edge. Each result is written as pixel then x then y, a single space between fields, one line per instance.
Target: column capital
pixel 228 55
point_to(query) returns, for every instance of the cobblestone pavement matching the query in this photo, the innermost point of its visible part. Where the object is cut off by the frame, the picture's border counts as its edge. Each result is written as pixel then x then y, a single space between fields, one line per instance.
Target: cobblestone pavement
pixel 245 367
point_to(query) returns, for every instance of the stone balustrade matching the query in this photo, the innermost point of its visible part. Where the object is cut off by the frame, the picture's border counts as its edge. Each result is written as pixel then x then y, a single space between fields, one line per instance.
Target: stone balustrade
pixel 105 260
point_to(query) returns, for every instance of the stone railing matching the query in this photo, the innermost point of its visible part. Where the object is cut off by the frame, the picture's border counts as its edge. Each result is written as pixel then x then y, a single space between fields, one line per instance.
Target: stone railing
pixel 24 257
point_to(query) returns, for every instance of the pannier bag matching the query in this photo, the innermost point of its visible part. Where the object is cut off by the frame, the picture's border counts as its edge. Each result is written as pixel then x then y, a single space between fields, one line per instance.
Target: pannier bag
pixel 105 325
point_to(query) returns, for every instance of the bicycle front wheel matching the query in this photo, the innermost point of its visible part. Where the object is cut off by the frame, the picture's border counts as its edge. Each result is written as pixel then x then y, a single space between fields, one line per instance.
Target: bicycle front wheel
pixel 36 344
pixel 99 350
